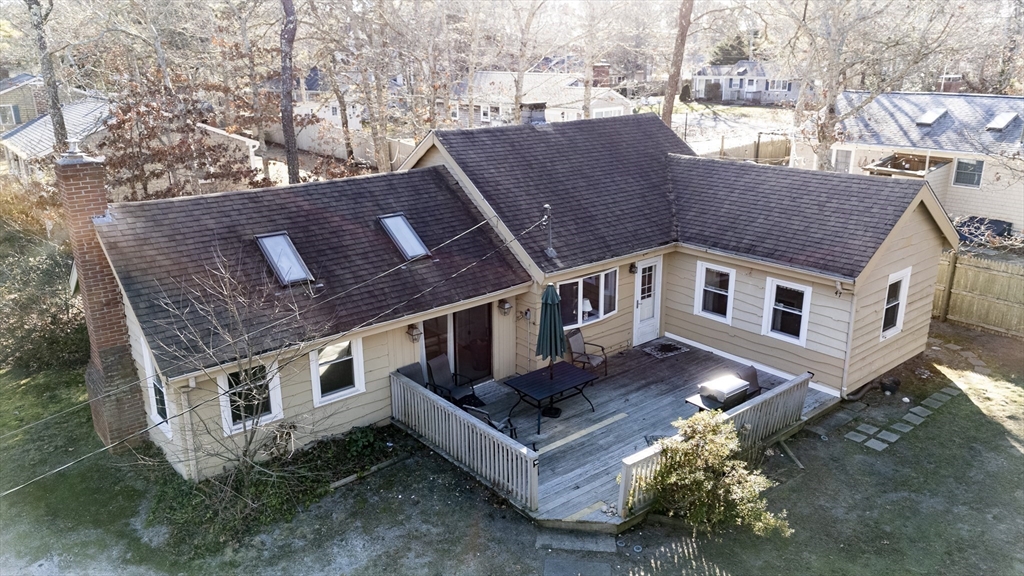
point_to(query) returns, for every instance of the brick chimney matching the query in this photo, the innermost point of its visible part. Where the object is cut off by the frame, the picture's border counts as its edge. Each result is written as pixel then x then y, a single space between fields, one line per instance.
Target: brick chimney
pixel 80 180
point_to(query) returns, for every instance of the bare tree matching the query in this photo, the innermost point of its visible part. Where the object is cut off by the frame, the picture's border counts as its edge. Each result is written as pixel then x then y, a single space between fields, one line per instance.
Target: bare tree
pixel 847 44
pixel 288 30
pixel 683 21
pixel 38 16
pixel 525 31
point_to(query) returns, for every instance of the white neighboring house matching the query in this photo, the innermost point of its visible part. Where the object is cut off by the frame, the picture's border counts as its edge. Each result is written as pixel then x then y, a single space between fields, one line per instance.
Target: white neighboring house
pixel 746 80
pixel 968 147
pixel 33 140
pixel 547 97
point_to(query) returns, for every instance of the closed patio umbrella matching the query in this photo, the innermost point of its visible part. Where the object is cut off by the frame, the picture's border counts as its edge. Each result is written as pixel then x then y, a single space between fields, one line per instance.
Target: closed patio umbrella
pixel 550 339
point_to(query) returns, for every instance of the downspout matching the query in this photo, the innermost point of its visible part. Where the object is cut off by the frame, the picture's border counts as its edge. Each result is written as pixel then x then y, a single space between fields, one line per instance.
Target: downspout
pixel 849 342
pixel 187 440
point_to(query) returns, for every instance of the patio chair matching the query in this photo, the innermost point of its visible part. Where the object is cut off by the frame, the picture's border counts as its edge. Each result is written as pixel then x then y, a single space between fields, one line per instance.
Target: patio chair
pixel 413 372
pixel 749 373
pixel 450 385
pixel 579 354
pixel 504 426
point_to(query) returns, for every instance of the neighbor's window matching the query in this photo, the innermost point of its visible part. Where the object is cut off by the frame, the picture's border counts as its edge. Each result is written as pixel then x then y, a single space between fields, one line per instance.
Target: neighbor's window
pixel 843 161
pixel 786 310
pixel 7 114
pixel 485 113
pixel 588 299
pixel 968 173
pixel 336 371
pixel 895 303
pixel 250 397
pixel 455 112
pixel 334 110
pixel 714 293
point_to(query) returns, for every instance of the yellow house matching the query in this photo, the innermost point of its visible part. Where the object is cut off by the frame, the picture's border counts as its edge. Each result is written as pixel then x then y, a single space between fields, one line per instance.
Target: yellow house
pixel 314 294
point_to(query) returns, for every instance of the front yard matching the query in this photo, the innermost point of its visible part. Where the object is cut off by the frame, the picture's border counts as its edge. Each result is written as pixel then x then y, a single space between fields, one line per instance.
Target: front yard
pixel 945 498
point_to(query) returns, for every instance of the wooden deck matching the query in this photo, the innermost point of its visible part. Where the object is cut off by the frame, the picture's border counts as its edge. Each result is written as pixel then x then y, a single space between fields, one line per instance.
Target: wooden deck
pixel 581 452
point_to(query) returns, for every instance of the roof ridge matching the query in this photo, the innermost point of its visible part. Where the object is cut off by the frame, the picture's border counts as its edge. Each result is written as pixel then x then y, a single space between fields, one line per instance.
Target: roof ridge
pixel 944 94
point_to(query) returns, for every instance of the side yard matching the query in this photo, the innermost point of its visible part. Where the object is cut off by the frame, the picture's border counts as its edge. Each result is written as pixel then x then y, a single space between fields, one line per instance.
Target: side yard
pixel 944 498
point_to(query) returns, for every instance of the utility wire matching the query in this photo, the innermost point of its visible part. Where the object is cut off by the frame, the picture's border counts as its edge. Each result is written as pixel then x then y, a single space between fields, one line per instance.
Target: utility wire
pixel 255 331
pixel 230 390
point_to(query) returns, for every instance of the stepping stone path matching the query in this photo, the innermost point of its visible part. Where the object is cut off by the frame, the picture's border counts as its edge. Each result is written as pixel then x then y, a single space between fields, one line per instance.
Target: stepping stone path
pixel 878 439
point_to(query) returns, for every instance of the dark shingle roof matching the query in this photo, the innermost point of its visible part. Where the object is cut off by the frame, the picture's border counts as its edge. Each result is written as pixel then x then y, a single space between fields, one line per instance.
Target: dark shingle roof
pixel 817 221
pixel 163 248
pixel 891 120
pixel 605 180
pixel 34 138
pixel 15 81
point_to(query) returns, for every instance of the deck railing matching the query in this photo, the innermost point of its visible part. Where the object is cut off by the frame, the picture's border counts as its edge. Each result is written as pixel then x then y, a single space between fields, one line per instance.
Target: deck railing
pixel 756 420
pixel 495 459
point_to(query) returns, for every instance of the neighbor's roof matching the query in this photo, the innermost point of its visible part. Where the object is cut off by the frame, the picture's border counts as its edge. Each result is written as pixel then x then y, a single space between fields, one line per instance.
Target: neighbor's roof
pixel 16 81
pixel 556 90
pixel 161 250
pixel 605 179
pixel 34 138
pixel 787 216
pixel 892 120
pixel 742 68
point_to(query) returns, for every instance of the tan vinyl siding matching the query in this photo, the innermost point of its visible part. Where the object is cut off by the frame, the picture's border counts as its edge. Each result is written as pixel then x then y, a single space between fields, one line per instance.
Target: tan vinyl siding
pixel 431 157
pixel 526 331
pixel 503 341
pixel 916 242
pixel 827 327
pixel 173 446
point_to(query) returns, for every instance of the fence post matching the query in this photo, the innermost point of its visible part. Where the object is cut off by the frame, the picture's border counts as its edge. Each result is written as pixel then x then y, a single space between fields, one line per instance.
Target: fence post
pixel 947 290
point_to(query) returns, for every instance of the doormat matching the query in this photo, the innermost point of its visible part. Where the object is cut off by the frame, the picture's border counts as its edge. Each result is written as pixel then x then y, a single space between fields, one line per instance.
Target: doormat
pixel 664 349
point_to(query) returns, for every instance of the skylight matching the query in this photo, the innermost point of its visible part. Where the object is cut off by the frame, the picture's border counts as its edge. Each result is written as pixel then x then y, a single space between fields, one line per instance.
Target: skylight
pixel 404 236
pixel 929 117
pixel 283 258
pixel 1001 121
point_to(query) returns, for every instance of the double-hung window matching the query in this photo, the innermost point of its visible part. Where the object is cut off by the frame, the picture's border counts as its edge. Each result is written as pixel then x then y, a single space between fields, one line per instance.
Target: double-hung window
pixel 968 173
pixel 157 394
pixel 843 160
pixel 786 310
pixel 485 113
pixel 337 371
pixel 895 304
pixel 249 397
pixel 588 299
pixel 714 292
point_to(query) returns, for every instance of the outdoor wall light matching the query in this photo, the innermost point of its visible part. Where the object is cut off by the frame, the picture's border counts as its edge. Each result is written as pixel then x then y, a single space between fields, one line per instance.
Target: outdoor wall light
pixel 414 332
pixel 505 307
pixel 632 268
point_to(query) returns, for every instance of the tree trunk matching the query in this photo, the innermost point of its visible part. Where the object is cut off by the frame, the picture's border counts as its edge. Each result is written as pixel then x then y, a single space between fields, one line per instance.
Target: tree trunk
pixel 672 89
pixel 588 82
pixel 287 85
pixel 524 44
pixel 38 18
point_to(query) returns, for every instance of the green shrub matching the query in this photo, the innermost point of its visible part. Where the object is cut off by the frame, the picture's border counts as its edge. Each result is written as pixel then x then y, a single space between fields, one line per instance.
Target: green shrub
pixel 700 480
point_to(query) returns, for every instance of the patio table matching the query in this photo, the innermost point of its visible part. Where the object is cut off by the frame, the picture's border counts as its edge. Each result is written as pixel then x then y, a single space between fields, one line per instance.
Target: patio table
pixel 537 387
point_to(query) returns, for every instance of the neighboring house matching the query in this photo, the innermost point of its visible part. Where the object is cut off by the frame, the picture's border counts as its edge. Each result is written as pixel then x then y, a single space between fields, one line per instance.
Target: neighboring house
pixel 768 264
pixel 33 140
pixel 18 102
pixel 85 120
pixel 547 97
pixel 967 147
pixel 747 80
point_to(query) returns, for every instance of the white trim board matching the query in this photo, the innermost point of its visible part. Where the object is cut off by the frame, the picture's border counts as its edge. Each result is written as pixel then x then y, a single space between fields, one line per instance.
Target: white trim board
pixel 776 372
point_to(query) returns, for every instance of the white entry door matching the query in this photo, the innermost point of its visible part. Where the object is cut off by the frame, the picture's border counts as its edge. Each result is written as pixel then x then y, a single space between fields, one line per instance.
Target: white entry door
pixel 647 308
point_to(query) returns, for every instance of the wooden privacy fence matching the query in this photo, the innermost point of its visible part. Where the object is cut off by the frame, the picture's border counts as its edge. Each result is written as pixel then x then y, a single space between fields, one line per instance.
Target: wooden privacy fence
pixel 495 459
pixel 982 292
pixel 756 421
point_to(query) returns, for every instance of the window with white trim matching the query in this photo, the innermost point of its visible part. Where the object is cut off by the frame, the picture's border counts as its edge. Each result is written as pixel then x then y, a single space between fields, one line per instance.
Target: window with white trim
pixel 588 299
pixel 157 394
pixel 455 112
pixel 7 115
pixel 607 112
pixel 968 173
pixel 485 113
pixel 337 371
pixel 895 305
pixel 787 307
pixel 842 161
pixel 495 113
pixel 249 397
pixel 714 292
